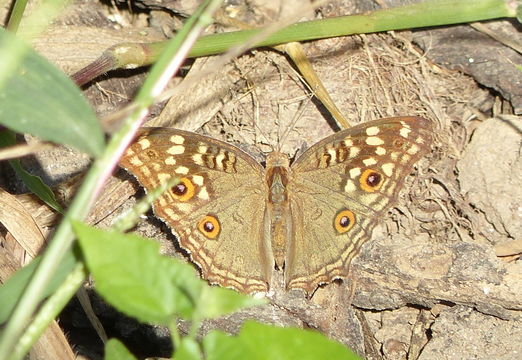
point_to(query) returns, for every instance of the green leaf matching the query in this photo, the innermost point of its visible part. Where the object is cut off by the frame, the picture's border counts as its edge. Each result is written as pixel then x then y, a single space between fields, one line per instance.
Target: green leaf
pixel 130 274
pixel 188 350
pixel 217 301
pixel 38 99
pixel 259 341
pixel 36 186
pixel 218 345
pixel 33 183
pixel 115 350
pixel 12 289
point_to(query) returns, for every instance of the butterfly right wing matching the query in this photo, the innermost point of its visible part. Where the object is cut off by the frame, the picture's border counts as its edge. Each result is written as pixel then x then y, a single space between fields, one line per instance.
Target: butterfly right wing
pixel 216 210
pixel 342 186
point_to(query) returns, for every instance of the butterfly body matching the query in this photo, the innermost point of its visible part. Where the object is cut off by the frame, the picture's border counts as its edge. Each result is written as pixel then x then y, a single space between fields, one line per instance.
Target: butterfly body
pixel 239 220
pixel 277 211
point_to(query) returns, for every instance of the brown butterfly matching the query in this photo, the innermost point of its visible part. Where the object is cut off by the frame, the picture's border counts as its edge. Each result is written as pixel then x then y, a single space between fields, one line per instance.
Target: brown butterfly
pixel 239 220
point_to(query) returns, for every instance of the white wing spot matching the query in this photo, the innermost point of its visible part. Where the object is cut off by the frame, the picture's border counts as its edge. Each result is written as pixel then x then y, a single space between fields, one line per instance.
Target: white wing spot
pixel 203 194
pixel 350 186
pixel 394 156
pixel 176 150
pixel 156 166
pixel 354 172
pixel 380 151
pixel 181 170
pixel 202 149
pixel 369 162
pixel 198 159
pixel 144 143
pixel 405 158
pixel 374 141
pixel 219 160
pixel 372 131
pixel 177 139
pixel 413 149
pixel 404 132
pixel 135 161
pixel 170 160
pixel 348 142
pixel 198 180
pixel 163 177
pixel 333 155
pixel 354 151
pixel 388 169
pixel 146 171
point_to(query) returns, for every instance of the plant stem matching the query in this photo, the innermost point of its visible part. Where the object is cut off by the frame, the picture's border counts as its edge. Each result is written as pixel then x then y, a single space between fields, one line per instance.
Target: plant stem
pixel 49 311
pixel 15 17
pixel 174 334
pixel 428 13
pixel 423 14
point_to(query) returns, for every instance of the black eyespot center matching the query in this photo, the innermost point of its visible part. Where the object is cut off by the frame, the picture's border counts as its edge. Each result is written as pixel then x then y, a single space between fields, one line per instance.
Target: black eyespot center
pixel 344 221
pixel 208 226
pixel 373 179
pixel 179 189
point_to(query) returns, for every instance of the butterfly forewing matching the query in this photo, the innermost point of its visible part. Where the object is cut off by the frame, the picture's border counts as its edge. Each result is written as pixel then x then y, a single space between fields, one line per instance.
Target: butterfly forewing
pixel 216 210
pixel 341 186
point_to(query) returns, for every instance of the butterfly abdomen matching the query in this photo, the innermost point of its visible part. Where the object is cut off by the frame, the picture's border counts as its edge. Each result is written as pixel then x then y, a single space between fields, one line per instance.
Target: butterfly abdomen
pixel 278 222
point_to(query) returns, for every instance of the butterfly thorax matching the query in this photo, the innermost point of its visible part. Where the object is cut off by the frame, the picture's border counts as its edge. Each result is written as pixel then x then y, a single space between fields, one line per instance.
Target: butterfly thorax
pixel 278 222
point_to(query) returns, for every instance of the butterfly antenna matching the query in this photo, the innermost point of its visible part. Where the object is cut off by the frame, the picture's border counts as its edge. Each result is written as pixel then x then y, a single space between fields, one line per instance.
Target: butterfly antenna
pixel 298 115
pixel 253 118
pixel 255 121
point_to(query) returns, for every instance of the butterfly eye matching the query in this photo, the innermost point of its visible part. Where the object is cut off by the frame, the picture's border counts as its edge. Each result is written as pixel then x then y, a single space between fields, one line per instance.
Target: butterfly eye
pixel 344 221
pixel 184 190
pixel 209 226
pixel 371 180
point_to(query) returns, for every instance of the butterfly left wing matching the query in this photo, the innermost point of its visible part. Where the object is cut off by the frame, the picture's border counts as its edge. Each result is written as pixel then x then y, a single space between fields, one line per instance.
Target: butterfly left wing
pixel 217 209
pixel 341 187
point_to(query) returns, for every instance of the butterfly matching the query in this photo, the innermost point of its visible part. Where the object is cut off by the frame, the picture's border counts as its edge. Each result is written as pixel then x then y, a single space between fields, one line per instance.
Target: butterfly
pixel 240 221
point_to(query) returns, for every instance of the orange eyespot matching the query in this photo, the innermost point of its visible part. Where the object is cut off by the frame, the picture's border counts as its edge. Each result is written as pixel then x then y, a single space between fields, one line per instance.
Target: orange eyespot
pixel 209 226
pixel 371 180
pixel 184 190
pixel 344 221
